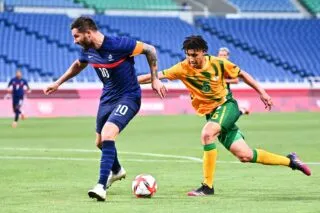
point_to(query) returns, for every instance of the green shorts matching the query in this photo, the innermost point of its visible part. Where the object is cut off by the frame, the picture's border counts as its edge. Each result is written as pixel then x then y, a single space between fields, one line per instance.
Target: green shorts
pixel 227 115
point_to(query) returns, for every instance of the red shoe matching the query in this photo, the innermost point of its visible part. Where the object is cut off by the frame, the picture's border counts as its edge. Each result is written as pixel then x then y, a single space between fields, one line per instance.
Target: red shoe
pixel 296 163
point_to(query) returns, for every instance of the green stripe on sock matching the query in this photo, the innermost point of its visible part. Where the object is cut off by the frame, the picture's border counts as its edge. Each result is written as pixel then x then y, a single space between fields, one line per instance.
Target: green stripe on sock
pixel 209 147
pixel 255 155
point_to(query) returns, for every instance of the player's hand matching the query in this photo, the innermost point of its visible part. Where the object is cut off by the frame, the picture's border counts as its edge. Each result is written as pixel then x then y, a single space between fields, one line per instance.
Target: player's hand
pixel 159 87
pixel 29 91
pixel 51 89
pixel 266 99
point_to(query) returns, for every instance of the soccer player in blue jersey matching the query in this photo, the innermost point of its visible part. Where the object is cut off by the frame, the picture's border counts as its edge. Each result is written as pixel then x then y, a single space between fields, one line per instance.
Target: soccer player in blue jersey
pixel 113 61
pixel 16 87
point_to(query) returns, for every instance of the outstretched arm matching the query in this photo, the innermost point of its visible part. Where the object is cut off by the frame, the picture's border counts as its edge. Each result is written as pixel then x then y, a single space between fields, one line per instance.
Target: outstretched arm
pixel 151 54
pixel 232 80
pixel 248 79
pixel 146 79
pixel 75 68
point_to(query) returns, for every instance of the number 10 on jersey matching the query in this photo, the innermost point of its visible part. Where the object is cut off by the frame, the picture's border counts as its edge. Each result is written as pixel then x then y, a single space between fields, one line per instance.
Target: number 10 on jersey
pixel 104 72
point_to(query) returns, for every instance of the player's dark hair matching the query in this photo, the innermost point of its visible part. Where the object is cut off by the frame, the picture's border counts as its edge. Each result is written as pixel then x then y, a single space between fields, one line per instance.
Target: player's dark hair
pixel 83 24
pixel 195 42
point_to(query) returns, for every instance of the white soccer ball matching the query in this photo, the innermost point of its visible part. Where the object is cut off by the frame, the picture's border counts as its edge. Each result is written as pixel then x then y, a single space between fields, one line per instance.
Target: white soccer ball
pixel 144 186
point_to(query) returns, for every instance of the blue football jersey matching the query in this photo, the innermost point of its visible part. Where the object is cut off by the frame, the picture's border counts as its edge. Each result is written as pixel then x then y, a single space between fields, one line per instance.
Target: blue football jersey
pixel 18 86
pixel 115 67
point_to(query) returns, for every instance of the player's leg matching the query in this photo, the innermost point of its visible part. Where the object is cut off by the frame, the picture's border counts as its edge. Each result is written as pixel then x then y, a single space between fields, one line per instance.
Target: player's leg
pixel 22 115
pixel 215 126
pixel 220 121
pixel 16 110
pixel 245 154
pixel 108 135
pixel 123 113
pixel 98 140
pixel 208 135
pixel 116 121
pixel 116 167
pixel 117 171
pixel 99 191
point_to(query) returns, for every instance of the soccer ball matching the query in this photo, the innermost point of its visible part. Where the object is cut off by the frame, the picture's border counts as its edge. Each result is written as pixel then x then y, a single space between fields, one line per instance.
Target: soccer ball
pixel 144 186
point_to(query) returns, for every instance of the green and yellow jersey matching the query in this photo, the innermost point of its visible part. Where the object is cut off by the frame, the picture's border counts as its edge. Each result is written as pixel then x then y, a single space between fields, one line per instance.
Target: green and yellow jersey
pixel 207 86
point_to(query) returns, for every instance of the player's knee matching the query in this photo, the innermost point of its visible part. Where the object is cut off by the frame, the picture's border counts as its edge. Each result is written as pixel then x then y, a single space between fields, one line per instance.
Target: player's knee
pixel 207 137
pixel 244 157
pixel 108 136
pixel 109 132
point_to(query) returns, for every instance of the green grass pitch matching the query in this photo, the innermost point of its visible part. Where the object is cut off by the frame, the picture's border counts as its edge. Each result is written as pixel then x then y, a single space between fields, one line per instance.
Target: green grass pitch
pixel 47 165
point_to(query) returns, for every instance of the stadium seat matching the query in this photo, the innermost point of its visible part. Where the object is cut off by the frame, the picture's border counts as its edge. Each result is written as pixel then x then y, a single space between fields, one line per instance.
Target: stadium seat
pixel 102 5
pixel 47 47
pixel 42 3
pixel 264 6
pixel 281 41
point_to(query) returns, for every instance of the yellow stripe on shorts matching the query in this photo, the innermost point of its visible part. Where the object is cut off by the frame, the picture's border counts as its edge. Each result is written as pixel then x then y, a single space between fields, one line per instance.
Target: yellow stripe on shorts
pixel 221 118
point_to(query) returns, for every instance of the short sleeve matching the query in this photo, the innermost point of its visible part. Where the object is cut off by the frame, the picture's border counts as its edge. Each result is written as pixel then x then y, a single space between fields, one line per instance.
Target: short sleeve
pixel 174 72
pixel 82 57
pixel 126 45
pixel 138 49
pixel 231 70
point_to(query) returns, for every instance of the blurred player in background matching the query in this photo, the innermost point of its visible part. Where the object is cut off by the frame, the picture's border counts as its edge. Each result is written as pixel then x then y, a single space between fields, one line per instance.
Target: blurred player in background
pixel 113 61
pixel 16 87
pixel 204 75
pixel 224 52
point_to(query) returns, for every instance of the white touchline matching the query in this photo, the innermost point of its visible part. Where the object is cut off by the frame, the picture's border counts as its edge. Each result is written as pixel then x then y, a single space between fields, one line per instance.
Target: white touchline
pixel 194 159
pixel 96 151
pixel 83 159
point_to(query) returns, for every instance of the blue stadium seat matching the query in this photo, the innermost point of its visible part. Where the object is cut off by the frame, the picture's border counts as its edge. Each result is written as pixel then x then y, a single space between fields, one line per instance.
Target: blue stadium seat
pixel 42 3
pixel 283 41
pixel 46 46
pixel 264 5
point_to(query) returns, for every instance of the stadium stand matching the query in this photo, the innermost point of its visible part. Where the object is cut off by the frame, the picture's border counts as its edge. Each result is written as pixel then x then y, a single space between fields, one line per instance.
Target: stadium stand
pixel 42 3
pixel 101 5
pixel 281 41
pixel 51 35
pixel 264 6
pixel 312 5
pixel 271 57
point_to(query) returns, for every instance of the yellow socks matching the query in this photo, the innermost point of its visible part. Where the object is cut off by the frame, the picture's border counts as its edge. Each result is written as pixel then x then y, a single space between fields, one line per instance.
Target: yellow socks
pixel 209 163
pixel 267 158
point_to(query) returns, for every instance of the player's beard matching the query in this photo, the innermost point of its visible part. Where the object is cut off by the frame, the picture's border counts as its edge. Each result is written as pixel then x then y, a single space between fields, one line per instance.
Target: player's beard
pixel 86 44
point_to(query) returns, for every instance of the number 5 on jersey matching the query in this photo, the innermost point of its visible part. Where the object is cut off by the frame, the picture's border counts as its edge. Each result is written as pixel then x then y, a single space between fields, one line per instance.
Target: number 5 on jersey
pixel 104 72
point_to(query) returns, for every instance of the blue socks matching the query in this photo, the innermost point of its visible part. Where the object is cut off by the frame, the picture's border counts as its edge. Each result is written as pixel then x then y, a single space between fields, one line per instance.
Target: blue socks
pixel 107 159
pixel 16 116
pixel 17 113
pixel 116 165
